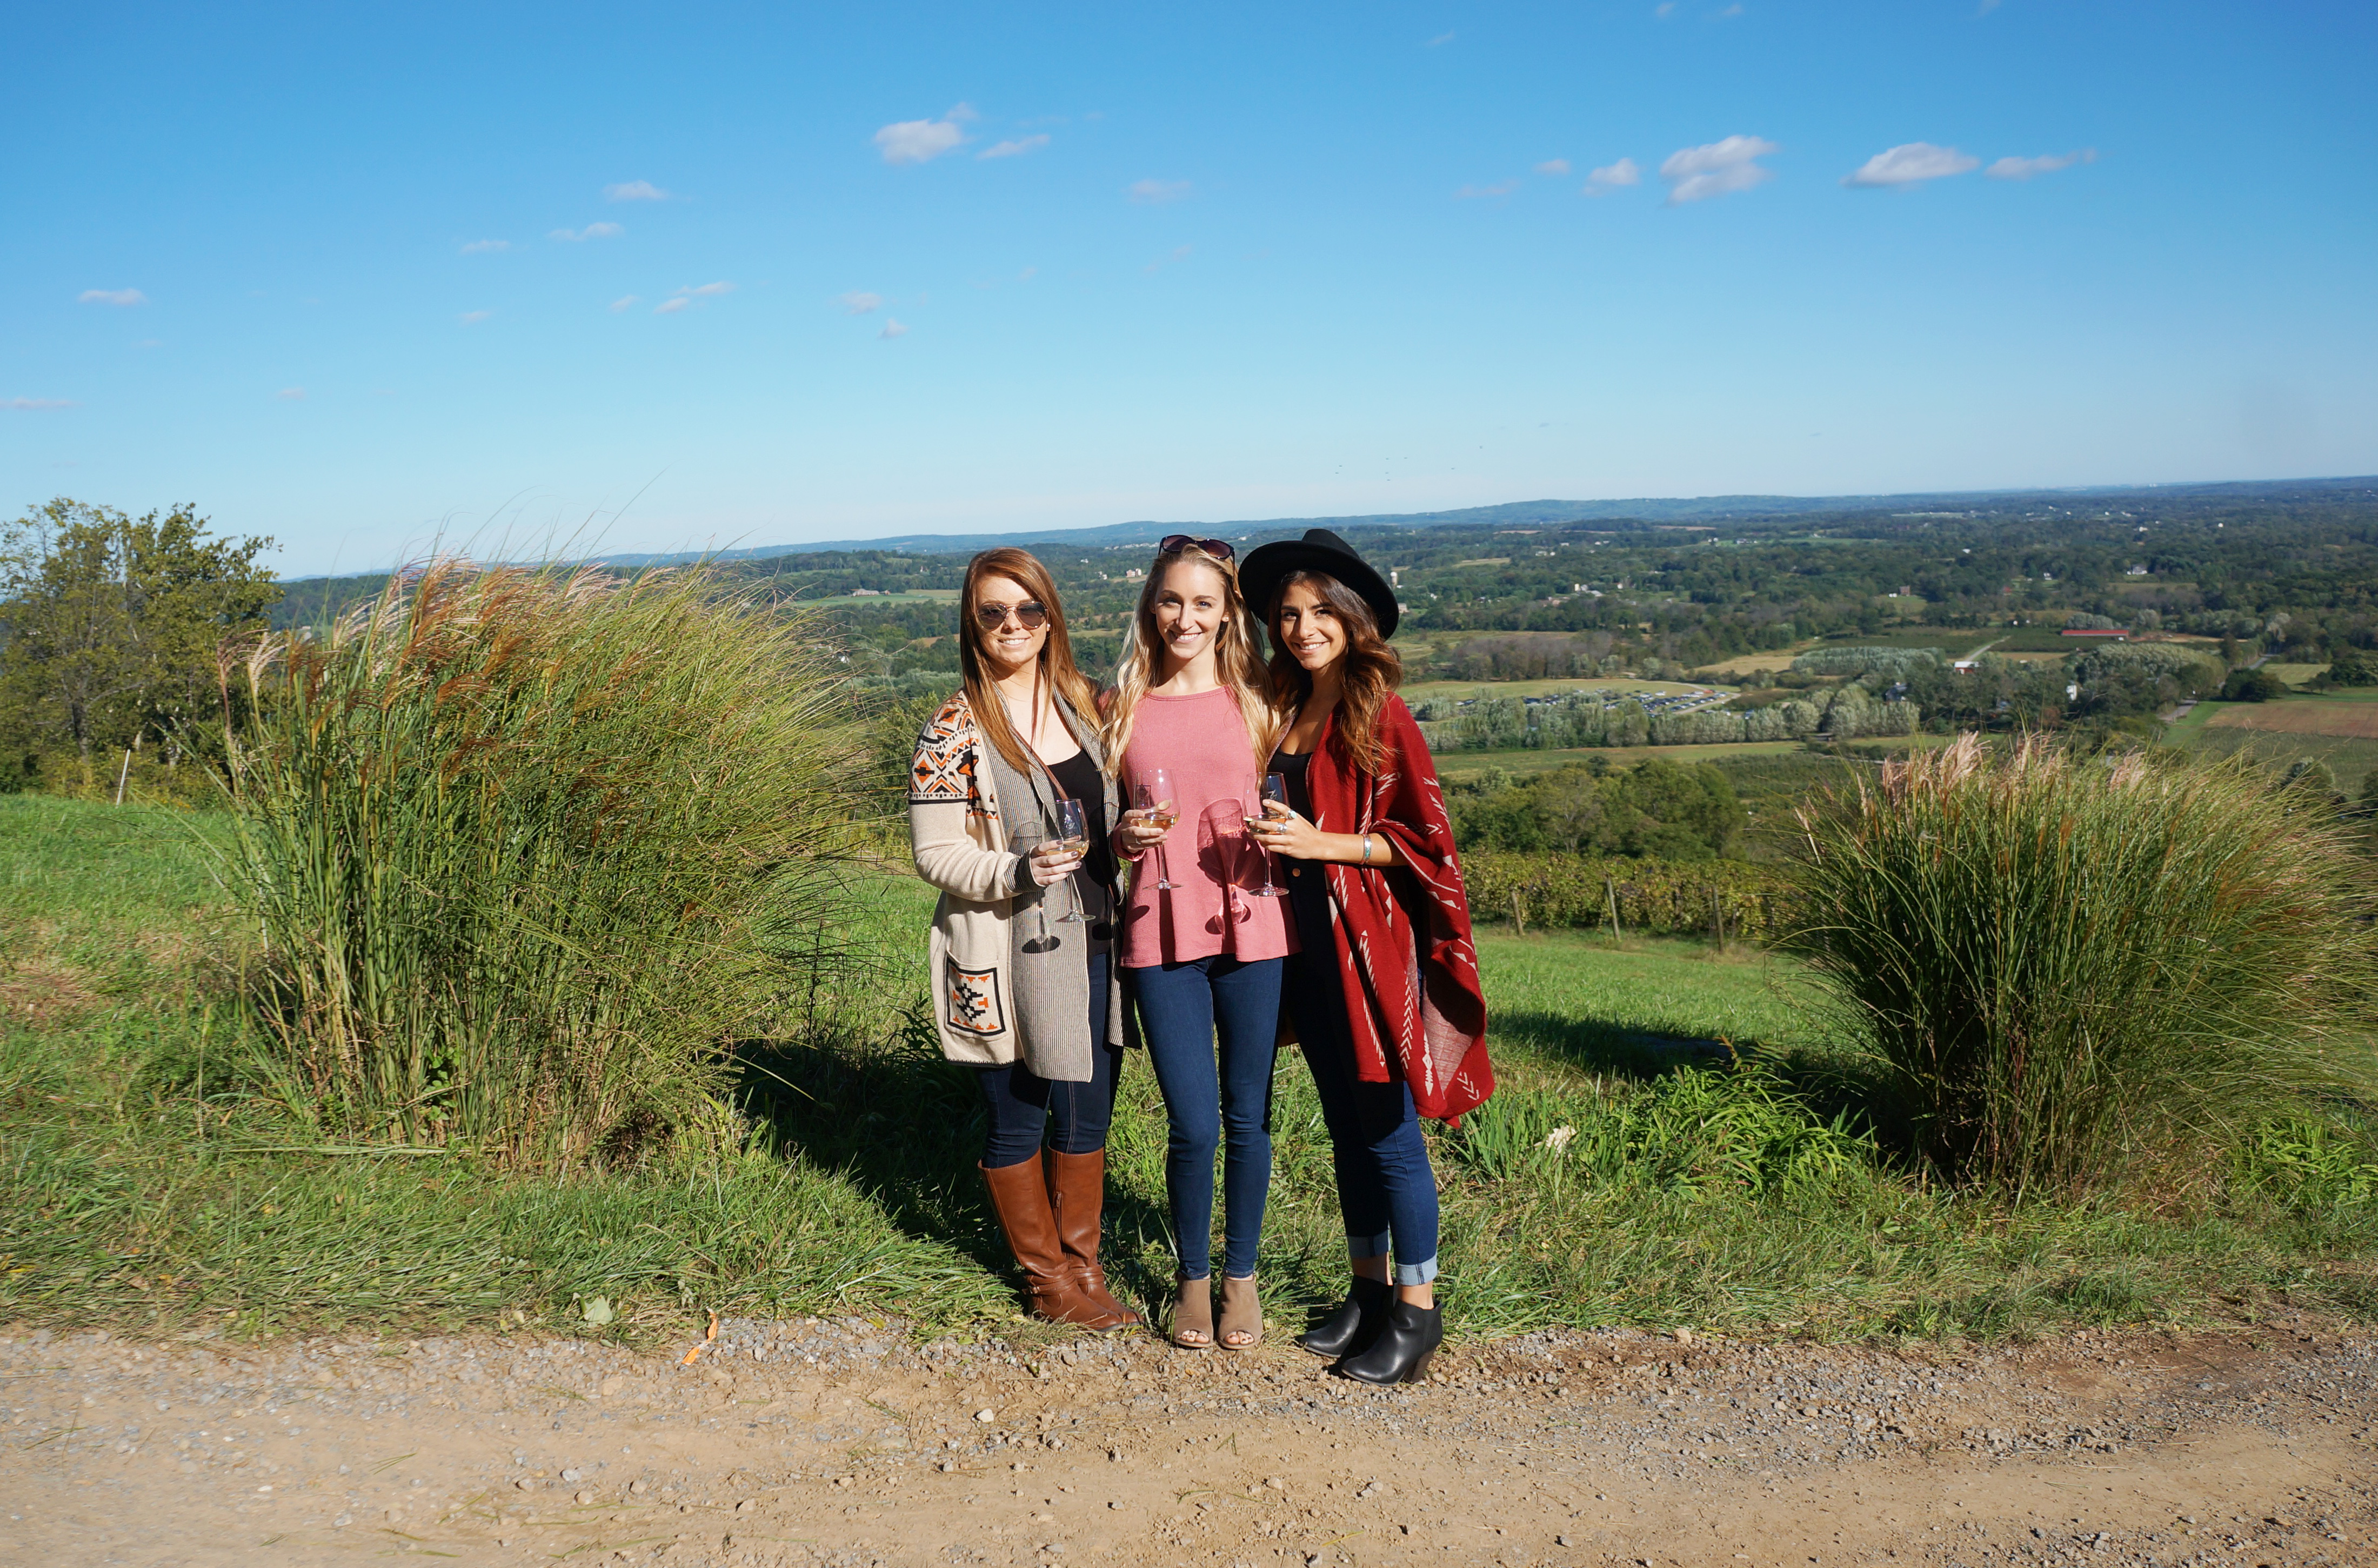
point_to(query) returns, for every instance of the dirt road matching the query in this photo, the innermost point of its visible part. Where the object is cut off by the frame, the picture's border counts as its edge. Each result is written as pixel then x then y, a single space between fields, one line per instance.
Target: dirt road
pixel 842 1443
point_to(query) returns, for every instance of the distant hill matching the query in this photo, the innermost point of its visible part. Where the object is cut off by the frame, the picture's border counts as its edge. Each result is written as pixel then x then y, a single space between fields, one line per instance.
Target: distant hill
pixel 1649 512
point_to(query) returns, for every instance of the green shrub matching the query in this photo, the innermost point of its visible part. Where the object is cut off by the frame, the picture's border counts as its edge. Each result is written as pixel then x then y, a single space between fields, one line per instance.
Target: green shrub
pixel 2252 686
pixel 529 849
pixel 2072 969
pixel 1697 1131
pixel 1655 897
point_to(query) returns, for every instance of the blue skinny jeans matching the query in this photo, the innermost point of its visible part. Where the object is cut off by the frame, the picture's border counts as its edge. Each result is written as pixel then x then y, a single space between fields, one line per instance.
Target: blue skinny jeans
pixel 1074 1118
pixel 1213 1028
pixel 1385 1186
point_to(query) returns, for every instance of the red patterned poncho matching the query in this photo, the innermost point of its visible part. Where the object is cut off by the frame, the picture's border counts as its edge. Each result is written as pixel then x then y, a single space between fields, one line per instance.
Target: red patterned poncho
pixel 1413 1001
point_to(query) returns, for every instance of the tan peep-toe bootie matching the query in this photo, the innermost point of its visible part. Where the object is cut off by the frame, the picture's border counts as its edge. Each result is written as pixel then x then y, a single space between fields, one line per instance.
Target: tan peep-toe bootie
pixel 1242 1314
pixel 1193 1312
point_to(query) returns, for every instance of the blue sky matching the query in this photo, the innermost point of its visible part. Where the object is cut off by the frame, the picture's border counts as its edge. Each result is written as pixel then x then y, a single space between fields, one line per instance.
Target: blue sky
pixel 356 277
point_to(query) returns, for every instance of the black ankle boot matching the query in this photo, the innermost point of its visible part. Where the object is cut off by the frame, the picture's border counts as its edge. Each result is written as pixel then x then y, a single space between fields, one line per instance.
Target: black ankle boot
pixel 1401 1353
pixel 1355 1324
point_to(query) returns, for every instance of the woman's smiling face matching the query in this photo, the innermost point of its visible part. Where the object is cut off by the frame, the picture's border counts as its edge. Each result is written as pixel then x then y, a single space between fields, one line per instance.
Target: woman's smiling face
pixel 1309 629
pixel 1191 600
pixel 1010 646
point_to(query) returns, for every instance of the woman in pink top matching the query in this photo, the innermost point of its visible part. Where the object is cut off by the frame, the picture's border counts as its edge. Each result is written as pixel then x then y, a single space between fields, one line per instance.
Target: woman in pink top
pixel 1187 730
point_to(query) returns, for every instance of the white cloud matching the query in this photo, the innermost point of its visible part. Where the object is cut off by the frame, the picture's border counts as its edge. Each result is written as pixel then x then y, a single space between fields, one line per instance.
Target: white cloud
pixel 2024 168
pixel 634 191
pixel 1716 168
pixel 1733 10
pixel 1149 192
pixel 859 302
pixel 291 395
pixel 1473 192
pixel 1611 176
pixel 921 141
pixel 473 318
pixel 111 296
pixel 1911 163
pixel 893 329
pixel 1556 167
pixel 624 302
pixel 1440 41
pixel 1027 275
pixel 1014 149
pixel 39 404
pixel 484 246
pixel 694 294
pixel 591 231
pixel 1664 8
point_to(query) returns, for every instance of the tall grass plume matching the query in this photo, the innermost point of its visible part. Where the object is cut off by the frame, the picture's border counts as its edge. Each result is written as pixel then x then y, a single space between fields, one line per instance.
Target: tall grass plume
pixel 2075 971
pixel 529 849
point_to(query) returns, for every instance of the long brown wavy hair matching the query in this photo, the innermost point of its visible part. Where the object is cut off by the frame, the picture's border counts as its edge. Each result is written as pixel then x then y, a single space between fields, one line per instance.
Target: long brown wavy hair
pixel 1372 669
pixel 1055 673
pixel 1237 662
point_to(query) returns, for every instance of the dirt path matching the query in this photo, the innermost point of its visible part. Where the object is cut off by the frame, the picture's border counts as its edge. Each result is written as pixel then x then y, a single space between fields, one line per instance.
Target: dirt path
pixel 838 1443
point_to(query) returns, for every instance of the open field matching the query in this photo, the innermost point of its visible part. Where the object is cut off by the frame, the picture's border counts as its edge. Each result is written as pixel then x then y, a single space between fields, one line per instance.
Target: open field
pixel 1467 765
pixel 2297 674
pixel 2350 717
pixel 1422 691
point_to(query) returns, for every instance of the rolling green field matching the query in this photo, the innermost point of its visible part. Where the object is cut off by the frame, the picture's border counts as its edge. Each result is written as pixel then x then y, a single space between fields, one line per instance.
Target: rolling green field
pixel 1468 765
pixel 1422 691
pixel 1717 1172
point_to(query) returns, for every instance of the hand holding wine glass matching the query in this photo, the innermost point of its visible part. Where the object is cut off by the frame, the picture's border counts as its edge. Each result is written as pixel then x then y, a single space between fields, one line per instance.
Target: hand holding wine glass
pixel 1151 817
pixel 1074 838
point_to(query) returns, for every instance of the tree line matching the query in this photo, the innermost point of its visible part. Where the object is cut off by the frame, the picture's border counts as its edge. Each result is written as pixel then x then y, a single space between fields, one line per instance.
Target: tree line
pixel 113 632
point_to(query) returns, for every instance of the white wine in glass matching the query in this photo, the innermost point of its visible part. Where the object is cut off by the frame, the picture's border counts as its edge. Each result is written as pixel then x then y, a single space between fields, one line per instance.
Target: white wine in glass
pixel 1155 798
pixel 1074 833
pixel 1274 788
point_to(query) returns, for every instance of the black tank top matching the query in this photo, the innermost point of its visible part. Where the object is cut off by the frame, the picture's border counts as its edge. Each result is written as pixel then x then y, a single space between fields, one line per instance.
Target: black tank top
pixel 1079 777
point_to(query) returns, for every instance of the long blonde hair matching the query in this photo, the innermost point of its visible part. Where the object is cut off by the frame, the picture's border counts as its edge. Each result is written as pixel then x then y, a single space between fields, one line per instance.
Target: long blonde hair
pixel 1054 670
pixel 1236 662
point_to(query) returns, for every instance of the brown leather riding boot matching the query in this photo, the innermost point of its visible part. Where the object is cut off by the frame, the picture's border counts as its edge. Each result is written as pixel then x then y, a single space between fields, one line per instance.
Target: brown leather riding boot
pixel 1077 1189
pixel 1050 1290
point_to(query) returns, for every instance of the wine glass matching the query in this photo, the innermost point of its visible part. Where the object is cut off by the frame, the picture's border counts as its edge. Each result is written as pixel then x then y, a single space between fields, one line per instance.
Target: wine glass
pixel 1023 841
pixel 1224 826
pixel 1274 788
pixel 1074 833
pixel 1154 796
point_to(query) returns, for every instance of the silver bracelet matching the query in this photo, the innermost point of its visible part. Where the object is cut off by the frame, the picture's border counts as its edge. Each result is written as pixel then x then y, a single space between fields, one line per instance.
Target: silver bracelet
pixel 1366 849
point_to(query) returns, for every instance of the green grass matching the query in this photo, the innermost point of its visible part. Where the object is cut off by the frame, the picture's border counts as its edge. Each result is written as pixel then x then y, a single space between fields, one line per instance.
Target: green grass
pixel 1689 1192
pixel 2351 760
pixel 1468 765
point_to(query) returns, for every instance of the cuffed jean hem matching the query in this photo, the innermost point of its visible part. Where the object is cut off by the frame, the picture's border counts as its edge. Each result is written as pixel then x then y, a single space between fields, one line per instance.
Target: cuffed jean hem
pixel 1362 1248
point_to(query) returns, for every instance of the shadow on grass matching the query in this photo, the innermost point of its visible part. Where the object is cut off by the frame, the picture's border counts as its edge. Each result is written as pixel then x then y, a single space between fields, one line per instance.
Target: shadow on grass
pixel 906 1127
pixel 1829 1085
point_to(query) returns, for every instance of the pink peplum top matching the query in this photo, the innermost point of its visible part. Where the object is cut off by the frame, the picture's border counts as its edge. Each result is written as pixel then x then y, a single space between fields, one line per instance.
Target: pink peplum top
pixel 1201 743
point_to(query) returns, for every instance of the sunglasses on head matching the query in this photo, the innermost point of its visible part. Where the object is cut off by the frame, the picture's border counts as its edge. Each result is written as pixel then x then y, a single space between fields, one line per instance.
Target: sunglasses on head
pixel 991 617
pixel 1173 544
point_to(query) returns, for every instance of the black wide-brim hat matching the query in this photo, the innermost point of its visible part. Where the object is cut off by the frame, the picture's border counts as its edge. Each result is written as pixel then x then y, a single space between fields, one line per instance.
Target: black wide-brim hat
pixel 1319 550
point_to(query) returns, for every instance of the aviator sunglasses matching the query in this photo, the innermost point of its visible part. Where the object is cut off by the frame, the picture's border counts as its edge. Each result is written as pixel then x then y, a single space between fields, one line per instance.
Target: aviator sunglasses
pixel 991 617
pixel 1173 544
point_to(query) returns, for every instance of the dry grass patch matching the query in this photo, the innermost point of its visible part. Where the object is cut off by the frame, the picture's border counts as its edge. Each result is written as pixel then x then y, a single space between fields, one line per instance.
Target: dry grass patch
pixel 2351 718
pixel 39 993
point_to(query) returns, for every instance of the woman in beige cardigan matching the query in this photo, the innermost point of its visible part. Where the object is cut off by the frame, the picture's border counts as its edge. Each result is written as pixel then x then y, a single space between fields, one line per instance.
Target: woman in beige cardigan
pixel 1023 992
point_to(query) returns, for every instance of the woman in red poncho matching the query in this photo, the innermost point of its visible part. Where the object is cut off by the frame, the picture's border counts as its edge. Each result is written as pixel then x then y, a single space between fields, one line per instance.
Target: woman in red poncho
pixel 1384 996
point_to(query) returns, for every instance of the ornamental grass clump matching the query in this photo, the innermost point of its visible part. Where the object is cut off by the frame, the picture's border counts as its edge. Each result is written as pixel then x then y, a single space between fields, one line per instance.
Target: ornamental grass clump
pixel 529 849
pixel 2075 971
